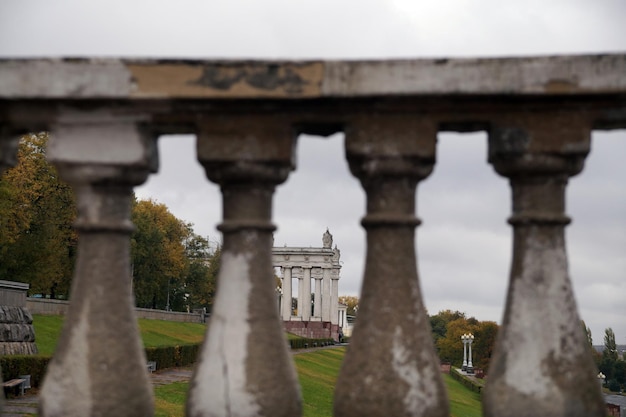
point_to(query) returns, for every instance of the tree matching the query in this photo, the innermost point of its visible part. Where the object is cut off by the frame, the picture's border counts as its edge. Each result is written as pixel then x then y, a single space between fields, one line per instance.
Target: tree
pixel 37 242
pixel 159 259
pixel 484 343
pixel 610 347
pixel 448 326
pixel 439 322
pixel 201 278
pixel 352 302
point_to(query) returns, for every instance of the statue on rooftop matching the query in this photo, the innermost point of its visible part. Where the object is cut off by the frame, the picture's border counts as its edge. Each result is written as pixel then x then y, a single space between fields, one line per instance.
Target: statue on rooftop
pixel 327 239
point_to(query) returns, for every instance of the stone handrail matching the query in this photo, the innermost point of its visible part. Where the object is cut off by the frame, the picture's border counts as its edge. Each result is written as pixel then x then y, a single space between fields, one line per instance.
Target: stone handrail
pixel 105 114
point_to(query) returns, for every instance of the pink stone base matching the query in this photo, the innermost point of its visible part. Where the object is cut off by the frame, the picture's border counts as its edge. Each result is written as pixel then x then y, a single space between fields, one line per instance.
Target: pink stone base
pixel 313 329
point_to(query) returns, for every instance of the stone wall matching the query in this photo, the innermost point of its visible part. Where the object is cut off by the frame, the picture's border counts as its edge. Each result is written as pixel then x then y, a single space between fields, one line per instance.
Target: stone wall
pixel 49 307
pixel 17 336
pixel 313 329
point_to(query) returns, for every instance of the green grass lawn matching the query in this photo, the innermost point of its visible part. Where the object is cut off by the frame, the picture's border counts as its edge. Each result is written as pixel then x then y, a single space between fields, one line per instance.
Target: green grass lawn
pixel 170 399
pixel 463 402
pixel 153 332
pixel 317 372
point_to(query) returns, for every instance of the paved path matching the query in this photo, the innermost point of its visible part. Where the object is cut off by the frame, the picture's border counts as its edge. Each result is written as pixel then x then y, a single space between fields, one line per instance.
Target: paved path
pixel 27 405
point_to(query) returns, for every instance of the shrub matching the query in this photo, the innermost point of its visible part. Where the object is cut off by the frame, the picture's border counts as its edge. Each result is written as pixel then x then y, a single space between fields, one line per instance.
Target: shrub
pixel 309 343
pixel 16 365
pixel 614 386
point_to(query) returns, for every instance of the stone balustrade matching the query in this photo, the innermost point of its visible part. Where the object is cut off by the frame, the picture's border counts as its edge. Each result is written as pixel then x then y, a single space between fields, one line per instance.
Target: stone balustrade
pixel 104 117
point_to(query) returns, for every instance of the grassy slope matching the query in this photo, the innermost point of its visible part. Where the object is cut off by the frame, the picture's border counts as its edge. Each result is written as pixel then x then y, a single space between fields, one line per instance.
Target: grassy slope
pixel 153 332
pixel 317 370
pixel 463 402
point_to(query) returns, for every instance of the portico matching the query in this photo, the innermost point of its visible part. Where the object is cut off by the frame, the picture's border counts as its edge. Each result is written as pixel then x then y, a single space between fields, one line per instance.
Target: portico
pixel 317 303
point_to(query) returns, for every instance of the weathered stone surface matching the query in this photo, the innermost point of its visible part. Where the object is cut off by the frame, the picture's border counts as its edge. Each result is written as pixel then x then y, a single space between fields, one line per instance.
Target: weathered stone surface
pixel 233 376
pixel 538 110
pixel 391 368
pixel 99 366
pixel 17 335
pixel 9 314
pixel 542 365
pixel 126 78
pixel 18 348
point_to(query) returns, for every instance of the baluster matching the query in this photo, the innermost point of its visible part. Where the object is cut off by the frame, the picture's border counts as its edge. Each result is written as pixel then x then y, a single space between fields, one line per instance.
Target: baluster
pixel 391 368
pixel 99 367
pixel 244 367
pixel 542 365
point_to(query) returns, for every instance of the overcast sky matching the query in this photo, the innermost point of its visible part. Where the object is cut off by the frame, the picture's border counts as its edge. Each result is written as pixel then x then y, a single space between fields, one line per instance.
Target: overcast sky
pixel 464 244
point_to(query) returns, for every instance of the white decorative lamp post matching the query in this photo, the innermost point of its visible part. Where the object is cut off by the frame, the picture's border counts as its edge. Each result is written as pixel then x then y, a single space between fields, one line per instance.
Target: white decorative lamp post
pixel 470 367
pixel 467 340
pixel 601 379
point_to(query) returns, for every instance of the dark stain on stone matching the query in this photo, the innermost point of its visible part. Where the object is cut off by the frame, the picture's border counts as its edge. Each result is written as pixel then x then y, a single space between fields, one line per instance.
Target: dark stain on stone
pixel 507 141
pixel 219 80
pixel 263 77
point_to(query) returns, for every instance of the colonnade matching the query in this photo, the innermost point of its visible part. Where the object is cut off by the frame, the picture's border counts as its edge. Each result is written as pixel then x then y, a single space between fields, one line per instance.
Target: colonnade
pixel 321 265
pixel 104 117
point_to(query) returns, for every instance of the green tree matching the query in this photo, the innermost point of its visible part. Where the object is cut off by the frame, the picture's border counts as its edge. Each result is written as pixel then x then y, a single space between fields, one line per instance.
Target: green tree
pixel 201 277
pixel 448 340
pixel 484 343
pixel 610 347
pixel 37 242
pixel 159 261
pixel 352 302
pixel 439 322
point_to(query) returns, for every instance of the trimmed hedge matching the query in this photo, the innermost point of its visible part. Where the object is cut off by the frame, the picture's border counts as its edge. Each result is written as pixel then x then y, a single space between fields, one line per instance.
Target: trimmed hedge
pixel 454 373
pixel 35 365
pixel 173 356
pixel 309 343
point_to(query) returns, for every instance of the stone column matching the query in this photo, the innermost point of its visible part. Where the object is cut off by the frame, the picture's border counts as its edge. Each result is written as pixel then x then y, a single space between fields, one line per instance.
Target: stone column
pixel 326 294
pixel 317 307
pixel 244 368
pixel 287 293
pixel 334 299
pixel 542 365
pixel 306 294
pixel 300 293
pixel 99 367
pixel 391 368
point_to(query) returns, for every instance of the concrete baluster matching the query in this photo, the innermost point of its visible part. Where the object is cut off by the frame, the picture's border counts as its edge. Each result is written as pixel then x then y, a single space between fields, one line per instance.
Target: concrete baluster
pixel 391 368
pixel 542 365
pixel 244 367
pixel 99 367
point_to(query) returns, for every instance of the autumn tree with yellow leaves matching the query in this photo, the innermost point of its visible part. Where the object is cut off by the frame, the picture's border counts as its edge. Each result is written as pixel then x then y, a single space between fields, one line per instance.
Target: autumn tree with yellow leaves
pixel 38 244
pixel 37 209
